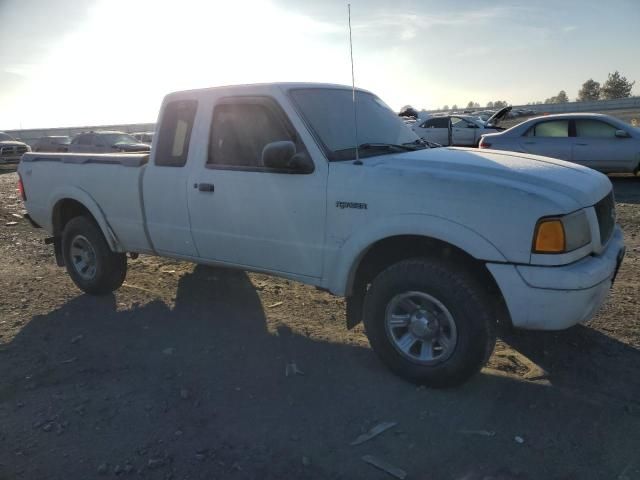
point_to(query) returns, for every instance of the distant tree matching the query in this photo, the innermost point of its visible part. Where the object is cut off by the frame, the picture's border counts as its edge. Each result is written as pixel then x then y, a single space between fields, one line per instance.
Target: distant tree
pixel 454 107
pixel 590 91
pixel 470 104
pixel 446 107
pixel 616 86
pixel 473 105
pixel 489 104
pixel 500 104
pixel 560 98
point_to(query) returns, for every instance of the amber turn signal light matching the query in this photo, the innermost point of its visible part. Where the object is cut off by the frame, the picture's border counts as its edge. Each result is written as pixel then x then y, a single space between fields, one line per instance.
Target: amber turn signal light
pixel 549 237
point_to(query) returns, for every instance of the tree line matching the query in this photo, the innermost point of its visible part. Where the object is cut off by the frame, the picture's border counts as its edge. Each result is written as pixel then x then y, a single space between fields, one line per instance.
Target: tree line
pixel 616 86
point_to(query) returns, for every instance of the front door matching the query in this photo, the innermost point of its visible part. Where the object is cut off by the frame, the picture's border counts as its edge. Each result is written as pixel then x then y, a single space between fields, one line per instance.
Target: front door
pixel 463 133
pixel 434 129
pixel 596 146
pixel 245 213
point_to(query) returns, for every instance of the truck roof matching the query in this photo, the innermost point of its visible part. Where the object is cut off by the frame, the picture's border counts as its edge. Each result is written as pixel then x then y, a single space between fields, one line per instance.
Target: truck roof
pixel 237 89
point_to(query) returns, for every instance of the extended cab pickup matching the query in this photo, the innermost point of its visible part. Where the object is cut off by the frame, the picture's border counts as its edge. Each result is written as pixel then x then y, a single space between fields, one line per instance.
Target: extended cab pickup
pixel 431 247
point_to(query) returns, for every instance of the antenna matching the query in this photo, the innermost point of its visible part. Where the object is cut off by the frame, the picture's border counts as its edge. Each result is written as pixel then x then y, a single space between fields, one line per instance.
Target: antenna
pixel 353 86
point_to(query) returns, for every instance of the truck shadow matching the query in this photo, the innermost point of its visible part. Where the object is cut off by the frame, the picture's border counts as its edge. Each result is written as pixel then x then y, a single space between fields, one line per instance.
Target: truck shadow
pixel 200 390
pixel 583 360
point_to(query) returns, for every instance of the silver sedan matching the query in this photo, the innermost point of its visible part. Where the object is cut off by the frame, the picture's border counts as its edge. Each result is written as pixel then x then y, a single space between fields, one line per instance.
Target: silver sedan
pixel 597 141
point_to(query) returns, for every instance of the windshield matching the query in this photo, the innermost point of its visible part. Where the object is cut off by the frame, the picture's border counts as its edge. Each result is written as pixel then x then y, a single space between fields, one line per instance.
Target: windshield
pixel 4 137
pixel 329 113
pixel 113 138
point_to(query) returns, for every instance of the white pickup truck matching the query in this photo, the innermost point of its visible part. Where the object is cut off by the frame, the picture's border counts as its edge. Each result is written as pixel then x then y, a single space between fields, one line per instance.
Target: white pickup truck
pixel 432 247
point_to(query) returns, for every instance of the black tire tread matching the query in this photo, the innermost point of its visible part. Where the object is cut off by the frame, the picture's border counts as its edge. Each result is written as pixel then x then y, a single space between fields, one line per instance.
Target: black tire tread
pixel 112 266
pixel 468 297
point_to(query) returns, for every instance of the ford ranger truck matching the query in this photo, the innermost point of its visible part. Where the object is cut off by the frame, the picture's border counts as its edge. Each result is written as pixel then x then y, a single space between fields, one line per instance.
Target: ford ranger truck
pixel 431 247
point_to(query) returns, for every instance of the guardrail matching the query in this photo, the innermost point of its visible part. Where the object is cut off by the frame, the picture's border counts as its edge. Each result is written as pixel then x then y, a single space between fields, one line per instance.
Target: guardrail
pixel 596 105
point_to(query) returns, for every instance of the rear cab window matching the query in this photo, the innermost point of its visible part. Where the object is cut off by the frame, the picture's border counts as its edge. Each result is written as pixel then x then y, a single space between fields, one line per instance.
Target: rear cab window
pixel 174 133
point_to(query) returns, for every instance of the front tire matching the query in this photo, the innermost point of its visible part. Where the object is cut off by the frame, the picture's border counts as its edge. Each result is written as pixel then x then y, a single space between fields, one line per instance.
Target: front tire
pixel 429 322
pixel 90 262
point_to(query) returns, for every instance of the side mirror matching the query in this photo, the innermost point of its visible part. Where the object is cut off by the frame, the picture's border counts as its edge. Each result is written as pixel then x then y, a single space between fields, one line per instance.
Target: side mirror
pixel 282 156
pixel 278 154
pixel 622 134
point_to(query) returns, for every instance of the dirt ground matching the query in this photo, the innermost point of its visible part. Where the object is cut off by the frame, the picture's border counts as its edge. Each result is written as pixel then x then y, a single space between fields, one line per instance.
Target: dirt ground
pixel 181 375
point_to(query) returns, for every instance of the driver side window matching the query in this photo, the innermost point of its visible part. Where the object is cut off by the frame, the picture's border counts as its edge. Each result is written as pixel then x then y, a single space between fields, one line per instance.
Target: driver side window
pixel 240 131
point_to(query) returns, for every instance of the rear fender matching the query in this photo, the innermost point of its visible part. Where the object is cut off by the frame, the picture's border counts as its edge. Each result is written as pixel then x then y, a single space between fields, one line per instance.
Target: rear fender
pixel 85 199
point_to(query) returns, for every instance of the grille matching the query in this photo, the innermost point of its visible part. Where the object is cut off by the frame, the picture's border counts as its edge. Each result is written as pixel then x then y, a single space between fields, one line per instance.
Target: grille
pixel 6 150
pixel 21 149
pixel 606 213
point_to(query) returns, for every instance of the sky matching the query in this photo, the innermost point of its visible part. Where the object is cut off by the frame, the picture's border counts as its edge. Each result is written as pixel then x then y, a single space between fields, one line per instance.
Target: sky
pixel 93 62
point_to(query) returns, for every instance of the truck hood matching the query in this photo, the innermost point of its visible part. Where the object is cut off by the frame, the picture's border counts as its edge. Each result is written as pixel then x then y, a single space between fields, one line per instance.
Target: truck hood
pixel 529 173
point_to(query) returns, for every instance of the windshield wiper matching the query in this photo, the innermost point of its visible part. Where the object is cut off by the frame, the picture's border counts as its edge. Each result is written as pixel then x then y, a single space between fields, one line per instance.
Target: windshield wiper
pixel 421 143
pixel 387 146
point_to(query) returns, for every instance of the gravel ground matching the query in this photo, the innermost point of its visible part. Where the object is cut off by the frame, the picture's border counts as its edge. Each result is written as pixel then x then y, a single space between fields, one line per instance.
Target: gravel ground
pixel 182 374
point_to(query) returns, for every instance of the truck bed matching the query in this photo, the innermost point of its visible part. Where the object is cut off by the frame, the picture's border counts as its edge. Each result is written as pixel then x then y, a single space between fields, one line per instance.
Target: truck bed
pixel 110 182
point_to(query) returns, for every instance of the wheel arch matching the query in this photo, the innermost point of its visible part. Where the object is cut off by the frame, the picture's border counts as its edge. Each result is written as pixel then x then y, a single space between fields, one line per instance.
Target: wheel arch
pixel 464 248
pixel 69 205
pixel 341 270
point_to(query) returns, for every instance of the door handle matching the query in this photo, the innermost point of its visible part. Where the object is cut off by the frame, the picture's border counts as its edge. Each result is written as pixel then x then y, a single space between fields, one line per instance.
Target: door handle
pixel 529 143
pixel 204 187
pixel 582 144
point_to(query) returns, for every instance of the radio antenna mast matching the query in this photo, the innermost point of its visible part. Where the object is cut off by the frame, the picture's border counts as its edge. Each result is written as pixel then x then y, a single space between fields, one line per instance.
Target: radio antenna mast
pixel 353 86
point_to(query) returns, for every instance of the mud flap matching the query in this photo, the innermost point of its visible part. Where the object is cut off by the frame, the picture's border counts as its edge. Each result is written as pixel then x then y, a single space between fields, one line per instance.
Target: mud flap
pixel 354 312
pixel 57 249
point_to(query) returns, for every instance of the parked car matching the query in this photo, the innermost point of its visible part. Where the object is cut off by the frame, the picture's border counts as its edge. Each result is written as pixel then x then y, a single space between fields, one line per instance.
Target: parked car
pixel 594 140
pixel 106 142
pixel 143 137
pixel 11 150
pixel 267 178
pixel 459 130
pixel 54 143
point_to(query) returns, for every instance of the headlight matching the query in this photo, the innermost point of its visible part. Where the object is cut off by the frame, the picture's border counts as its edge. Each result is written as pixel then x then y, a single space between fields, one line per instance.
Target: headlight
pixel 562 234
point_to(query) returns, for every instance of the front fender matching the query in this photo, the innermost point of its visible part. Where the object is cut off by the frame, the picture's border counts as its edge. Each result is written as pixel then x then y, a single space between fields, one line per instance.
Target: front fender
pixel 343 260
pixel 84 198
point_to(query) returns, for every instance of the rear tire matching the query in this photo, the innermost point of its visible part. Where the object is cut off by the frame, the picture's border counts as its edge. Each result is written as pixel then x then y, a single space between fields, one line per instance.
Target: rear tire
pixel 90 262
pixel 429 322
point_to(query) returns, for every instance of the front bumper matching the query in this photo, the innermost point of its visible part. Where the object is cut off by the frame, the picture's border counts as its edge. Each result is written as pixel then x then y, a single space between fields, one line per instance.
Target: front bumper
pixel 555 298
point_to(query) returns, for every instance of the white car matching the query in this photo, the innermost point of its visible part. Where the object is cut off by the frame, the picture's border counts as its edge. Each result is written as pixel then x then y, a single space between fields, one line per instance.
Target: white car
pixel 268 178
pixel 458 130
pixel 594 140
